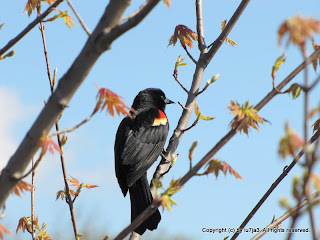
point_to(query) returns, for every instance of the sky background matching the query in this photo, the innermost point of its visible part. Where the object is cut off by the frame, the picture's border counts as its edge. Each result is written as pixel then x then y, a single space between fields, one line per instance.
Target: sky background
pixel 139 59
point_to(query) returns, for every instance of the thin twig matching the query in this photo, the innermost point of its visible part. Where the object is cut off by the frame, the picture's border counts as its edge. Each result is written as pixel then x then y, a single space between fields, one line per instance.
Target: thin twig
pixel 176 78
pixel 13 41
pixel 135 12
pixel 189 54
pixel 233 20
pixel 192 125
pixel 84 26
pixel 200 31
pixel 67 130
pixel 33 168
pixel 68 197
pixel 33 230
pixel 275 184
pixel 275 223
pixel 181 105
pixel 315 82
pixel 205 88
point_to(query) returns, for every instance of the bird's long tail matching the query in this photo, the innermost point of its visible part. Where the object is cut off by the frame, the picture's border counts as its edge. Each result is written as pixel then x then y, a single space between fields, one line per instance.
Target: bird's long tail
pixel 141 198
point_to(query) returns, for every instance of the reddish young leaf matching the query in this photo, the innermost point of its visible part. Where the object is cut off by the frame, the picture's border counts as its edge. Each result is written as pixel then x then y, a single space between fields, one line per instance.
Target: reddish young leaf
pixel 299 29
pixel 89 186
pixel 290 142
pixel 61 194
pixel 215 165
pixel 226 167
pixel 24 224
pixel 246 116
pixel 74 181
pixel 20 187
pixel 185 36
pixel 48 144
pixel 231 42
pixel 113 101
pixel 3 229
pixel 33 4
pixel 167 2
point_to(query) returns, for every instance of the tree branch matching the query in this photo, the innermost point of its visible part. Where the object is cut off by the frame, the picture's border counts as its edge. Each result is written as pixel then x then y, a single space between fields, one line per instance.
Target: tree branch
pixel 180 84
pixel 84 26
pixel 189 55
pixel 275 184
pixel 287 214
pixel 29 27
pixel 107 30
pixel 218 42
pixel 201 43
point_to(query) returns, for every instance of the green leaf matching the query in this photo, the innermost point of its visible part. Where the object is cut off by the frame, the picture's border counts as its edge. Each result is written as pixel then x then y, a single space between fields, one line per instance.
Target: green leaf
pixel 191 150
pixel 294 90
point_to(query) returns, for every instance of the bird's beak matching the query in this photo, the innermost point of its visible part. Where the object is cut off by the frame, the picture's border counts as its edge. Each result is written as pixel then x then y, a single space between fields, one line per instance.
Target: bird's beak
pixel 168 101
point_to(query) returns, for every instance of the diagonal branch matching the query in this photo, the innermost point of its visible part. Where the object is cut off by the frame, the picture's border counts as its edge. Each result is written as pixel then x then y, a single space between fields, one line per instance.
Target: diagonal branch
pixel 275 184
pixel 233 20
pixel 84 26
pixel 314 197
pixel 29 27
pixel 107 30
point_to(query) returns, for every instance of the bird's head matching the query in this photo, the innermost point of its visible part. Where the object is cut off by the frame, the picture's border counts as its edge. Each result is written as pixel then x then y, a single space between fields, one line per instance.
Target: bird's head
pixel 150 98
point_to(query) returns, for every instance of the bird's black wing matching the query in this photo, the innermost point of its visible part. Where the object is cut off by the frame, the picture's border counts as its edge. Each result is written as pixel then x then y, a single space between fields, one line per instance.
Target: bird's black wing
pixel 144 143
pixel 121 137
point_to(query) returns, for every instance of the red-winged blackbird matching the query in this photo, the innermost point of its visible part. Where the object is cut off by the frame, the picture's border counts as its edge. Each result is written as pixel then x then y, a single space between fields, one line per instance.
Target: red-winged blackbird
pixel 139 142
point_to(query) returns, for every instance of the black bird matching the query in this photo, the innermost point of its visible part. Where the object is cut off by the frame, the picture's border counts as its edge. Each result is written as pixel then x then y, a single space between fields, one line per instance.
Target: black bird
pixel 139 142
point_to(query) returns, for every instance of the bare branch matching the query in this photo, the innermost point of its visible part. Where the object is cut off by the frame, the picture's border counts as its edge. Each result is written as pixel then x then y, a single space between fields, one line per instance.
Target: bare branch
pixel 84 26
pixel 275 184
pixel 316 81
pixel 33 230
pixel 135 12
pixel 107 30
pixel 33 168
pixel 178 81
pixel 29 27
pixel 189 55
pixel 201 43
pixel 181 105
pixel 204 88
pixel 275 223
pixel 67 130
pixel 51 85
pixel 218 42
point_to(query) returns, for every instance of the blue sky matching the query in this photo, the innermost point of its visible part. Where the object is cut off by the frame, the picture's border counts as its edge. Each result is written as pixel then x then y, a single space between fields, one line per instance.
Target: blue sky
pixel 141 59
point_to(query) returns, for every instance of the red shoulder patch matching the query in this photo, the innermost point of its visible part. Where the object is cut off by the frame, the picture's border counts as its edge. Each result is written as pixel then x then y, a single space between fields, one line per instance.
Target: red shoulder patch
pixel 162 120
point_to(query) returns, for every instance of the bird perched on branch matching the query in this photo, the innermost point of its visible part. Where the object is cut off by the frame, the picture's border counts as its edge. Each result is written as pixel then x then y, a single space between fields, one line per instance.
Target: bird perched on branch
pixel 139 142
